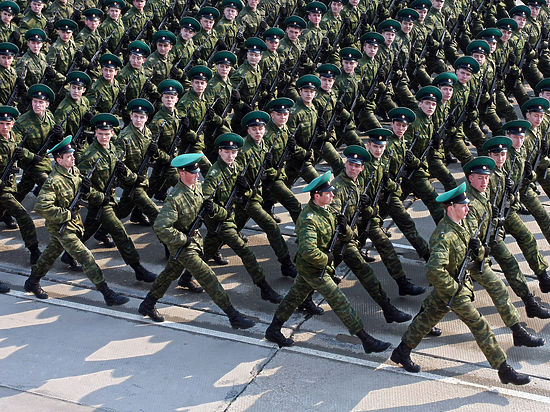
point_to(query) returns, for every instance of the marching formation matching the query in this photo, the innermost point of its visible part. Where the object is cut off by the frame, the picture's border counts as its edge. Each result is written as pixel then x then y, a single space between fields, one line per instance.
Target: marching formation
pixel 147 96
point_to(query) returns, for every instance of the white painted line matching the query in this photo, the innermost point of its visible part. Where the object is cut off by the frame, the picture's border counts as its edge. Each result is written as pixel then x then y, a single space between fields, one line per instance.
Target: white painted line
pixel 293 349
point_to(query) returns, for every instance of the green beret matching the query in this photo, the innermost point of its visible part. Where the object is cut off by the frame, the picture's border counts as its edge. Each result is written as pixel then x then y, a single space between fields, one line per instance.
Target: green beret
pixel 104 121
pixel 8 49
pixel 170 86
pixel 210 13
pixel 93 14
pixel 187 161
pixel 481 165
pixel 255 118
pixel 309 81
pixel 350 53
pixel 190 23
pixel 37 35
pixel 407 14
pixel 522 11
pixel 518 127
pixel 478 46
pixel 225 57
pixel 119 4
pixel 139 48
pixel 535 104
pixel 389 25
pixel 429 93
pixel 10 7
pixel 497 144
pixel 280 105
pixel 467 63
pixel 542 86
pixel 378 135
pixel 295 21
pixel 507 24
pixel 255 45
pixel 402 114
pixel 66 25
pixel 110 60
pixel 273 33
pixel 200 72
pixel 456 195
pixel 372 38
pixel 140 106
pixel 421 4
pixel 64 146
pixel 42 92
pixel 316 7
pixel 320 184
pixel 8 113
pixel 490 35
pixel 357 154
pixel 164 36
pixel 445 79
pixel 78 78
pixel 230 141
pixel 234 4
pixel 328 70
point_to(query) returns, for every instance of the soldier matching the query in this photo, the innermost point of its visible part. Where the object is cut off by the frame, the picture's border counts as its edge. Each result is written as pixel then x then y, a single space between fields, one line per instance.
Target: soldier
pixel 227 27
pixel 251 19
pixel 172 226
pixel 257 155
pixel 131 78
pixel 206 37
pixel 63 51
pixel 504 53
pixel 448 244
pixel 386 56
pixel 314 37
pixel 158 64
pixel 290 48
pixel 315 228
pixel 221 223
pixel 33 18
pixel 59 9
pixel 9 149
pixel 113 27
pixel 11 84
pixel 271 65
pixel 106 87
pixel 53 204
pixel 183 53
pixel 32 66
pixel 9 31
pixel 135 20
pixel 89 40
pixel 103 213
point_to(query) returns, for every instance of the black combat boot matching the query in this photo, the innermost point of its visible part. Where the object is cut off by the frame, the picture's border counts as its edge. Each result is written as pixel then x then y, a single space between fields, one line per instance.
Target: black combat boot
pixel 507 374
pixel 426 256
pixel 103 237
pixel 366 257
pixel 271 213
pixel 392 314
pixel 534 309
pixel 435 331
pixel 237 319
pixel 69 260
pixel 32 284
pixel 111 297
pixel 35 254
pixel 186 281
pixel 524 338
pixel 402 356
pixel 268 293
pixel 4 288
pixel 310 307
pixel 406 287
pixel 544 282
pixel 139 218
pixel 288 268
pixel 161 195
pixel 219 259
pixel 273 334
pixel 147 308
pixel 143 274
pixel 9 221
pixel 449 159
pixel 243 237
pixel 371 344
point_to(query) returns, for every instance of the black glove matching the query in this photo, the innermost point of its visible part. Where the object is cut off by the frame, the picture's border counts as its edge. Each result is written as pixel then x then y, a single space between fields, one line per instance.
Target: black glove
pixel 148 86
pixel 436 141
pixel 210 113
pixel 140 179
pixel 169 12
pixel 330 258
pixel 364 199
pixel 268 159
pixel 471 103
pixel 49 26
pixel 221 45
pixel 474 245
pixel 78 56
pixel 74 213
pixel 120 168
pixel 18 153
pixel 512 58
pixel 325 43
pixel 509 185
pixel 527 169
pixel 85 185
pixel 498 72
pixel 544 32
pixel 341 222
pixel 15 36
pixel 106 200
pixel 263 26
pixel 321 123
pixel 308 155
pixel 544 147
pixel 263 83
pixel 460 22
pixel 430 40
pixel 125 39
pixel 184 123
pixel 87 118
pixel 36 159
pixel 242 183
pixel 246 108
pixel 339 106
pixel 76 16
pixel 494 211
pixel 235 96
pixel 57 132
pixel 122 98
pixel 303 57
pixel 291 144
pixel 239 37
pixel 208 206
pixel 196 55
pixel 409 157
pixel 49 72
pixel 347 22
pixel 174 72
pixel 452 121
pixel 153 149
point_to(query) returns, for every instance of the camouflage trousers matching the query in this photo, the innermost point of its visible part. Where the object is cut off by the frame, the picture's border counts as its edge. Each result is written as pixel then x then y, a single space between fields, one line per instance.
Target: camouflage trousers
pixel 139 200
pixel 509 266
pixel 504 107
pixel 532 202
pixel 71 243
pixel 305 283
pixel 298 168
pixel 159 181
pixel 11 206
pixel 498 293
pixel 420 185
pixel 439 170
pixel 458 147
pixel 27 182
pixel 112 224
pixel 277 191
pixel 191 260
pixel 331 156
pixel 434 308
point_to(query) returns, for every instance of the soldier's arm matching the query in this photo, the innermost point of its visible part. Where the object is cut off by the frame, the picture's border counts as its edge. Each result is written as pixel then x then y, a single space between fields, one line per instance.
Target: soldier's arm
pixel 45 204
pixel 436 268
pixel 208 187
pixel 308 248
pixel 164 224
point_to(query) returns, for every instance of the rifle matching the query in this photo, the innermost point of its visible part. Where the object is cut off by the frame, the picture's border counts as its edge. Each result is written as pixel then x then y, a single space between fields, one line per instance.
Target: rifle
pixel 480 90
pixel 165 19
pixel 369 93
pixel 462 273
pixel 15 88
pixel 146 25
pixel 313 139
pixel 336 233
pixel 233 193
pixel 80 130
pixel 285 153
pixel 335 114
pixel 186 9
pixel 504 209
pixel 294 70
pixel 380 188
pixel 401 170
pixel 142 170
pixel 8 170
pixel 126 34
pixel 260 173
pixel 423 51
pixel 277 76
pixel 202 123
pixel 227 108
pixel 99 51
pixel 198 220
pixel 75 204
pixel 359 207
pixel 490 228
pixel 114 108
pixel 422 157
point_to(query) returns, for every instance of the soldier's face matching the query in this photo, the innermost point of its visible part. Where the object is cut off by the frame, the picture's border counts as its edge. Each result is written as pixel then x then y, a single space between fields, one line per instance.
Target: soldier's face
pixel 37 7
pixel 223 70
pixel 187 178
pixel 376 150
pixel 353 170
pixel 492 46
pixel 272 44
pixel 463 75
pixel 349 66
pixel 506 34
pixel 170 101
pixel 66 160
pixel 6 61
pixel 457 211
pixel 39 106
pixel 109 73
pixel 164 48
pixel 336 7
pixel 307 95
pixel 253 58
pixel 327 83
pixel 5 128
pixel 479 182
pixel 207 24
pixel 256 132
pixel 139 4
pixel 138 120
pixel 438 4
pixel 517 140
pixel 370 49
pixel 136 61
pixel 35 46
pixel 354 3
pixel 103 136
pixel 76 91
pixel 64 35
pixel 230 13
pixel 323 199
pixel 399 128
pixel 228 156
pixel 253 4
pixel 422 14
pixel 428 107
pixel 293 33
pixel 187 34
pixel 92 24
pixel 544 94
pixel 499 158
pixel 389 37
pixel 406 26
pixel 315 18
pixel 279 119
pixel 446 92
pixel 6 17
pixel 535 118
pixel 479 57
pixel 114 13
pixel 520 20
pixel 198 86
pixel 535 11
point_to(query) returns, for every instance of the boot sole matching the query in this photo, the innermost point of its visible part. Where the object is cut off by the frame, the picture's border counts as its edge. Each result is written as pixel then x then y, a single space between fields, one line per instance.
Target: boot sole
pixel 154 319
pixel 383 348
pixel 533 345
pixel 395 359
pixel 119 303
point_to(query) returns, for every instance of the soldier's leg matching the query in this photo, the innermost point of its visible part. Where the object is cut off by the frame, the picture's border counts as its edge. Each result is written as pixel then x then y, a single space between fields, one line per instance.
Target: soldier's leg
pixel 116 229
pixel 350 136
pixel 474 133
pixel 404 96
pixel 297 293
pixel 439 170
pixel 26 225
pixel 74 247
pixel 490 117
pixel 424 190
pixel 27 182
pixel 171 272
pixel 504 108
pixel 91 224
pixel 520 93
pixel 366 120
pixel 544 181
pixel 544 63
pixel 532 74
pixel 308 172
pixel 385 249
pixel 532 203
pixel 458 147
pixel 331 156
pixel 510 267
pixel 271 229
pixel 421 76
pixel 145 204
pixel 497 292
pixel 48 256
pixel 125 205
pixel 434 308
pixel 278 191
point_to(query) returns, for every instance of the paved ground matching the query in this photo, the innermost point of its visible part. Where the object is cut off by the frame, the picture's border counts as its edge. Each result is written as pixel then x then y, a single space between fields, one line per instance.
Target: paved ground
pixel 73 353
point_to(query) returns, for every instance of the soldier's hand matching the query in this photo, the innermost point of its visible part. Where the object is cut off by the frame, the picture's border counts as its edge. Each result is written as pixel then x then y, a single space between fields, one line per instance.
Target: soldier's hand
pixel 364 199
pixel 494 211
pixel 342 222
pixel 210 113
pixel 512 58
pixel 527 169
pixel 544 147
pixel 544 32
pixel 74 213
pixel 87 118
pixel 230 211
pixel 122 98
pixel 15 36
pixel 325 43
pixel 169 12
pixel 78 57
pixel 57 132
pixel 208 206
pixel 235 96
pixel 308 155
pixel 18 153
pixel 339 106
pixel 125 39
pixel 436 141
pixel 471 103
pixel 509 184
pixel 221 45
pixel 291 144
pixel 330 258
pixel 85 185
pixel 303 57
pixel 120 168
pixel 430 40
pixel 140 179
pixel 246 108
pixel 36 159
pixel 106 200
pixel 153 149
pixel 49 72
pixel 451 122
pixel 196 55
pixel 148 86
pixel 409 158
pixel 498 72
pixel 263 83
pixel 474 245
pixel 175 72
pixel 321 123
pixel 239 38
pixel 76 16
pixel 49 27
pixel 242 183
pixel 184 123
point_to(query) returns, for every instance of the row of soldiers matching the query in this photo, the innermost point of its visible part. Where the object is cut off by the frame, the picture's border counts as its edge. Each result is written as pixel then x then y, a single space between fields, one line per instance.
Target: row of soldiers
pixel 319 84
